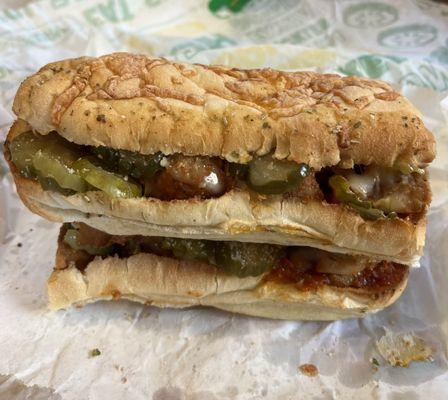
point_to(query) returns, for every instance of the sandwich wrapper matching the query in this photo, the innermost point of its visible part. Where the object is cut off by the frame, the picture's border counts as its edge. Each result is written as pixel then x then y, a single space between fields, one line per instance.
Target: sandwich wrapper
pixel 117 350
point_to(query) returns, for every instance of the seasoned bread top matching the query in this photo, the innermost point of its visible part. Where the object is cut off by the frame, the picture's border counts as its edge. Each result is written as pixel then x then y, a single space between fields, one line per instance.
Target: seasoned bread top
pixel 147 105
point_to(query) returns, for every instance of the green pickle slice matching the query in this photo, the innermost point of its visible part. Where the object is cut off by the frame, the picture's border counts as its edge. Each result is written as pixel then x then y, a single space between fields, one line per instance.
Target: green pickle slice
pixel 71 237
pixel 138 166
pixel 131 248
pixel 108 156
pixel 49 184
pixel 407 169
pixel 108 182
pixel 343 193
pixel 58 165
pixel 234 258
pixel 247 259
pixel 47 157
pixel 267 175
pixel 189 249
pixel 22 150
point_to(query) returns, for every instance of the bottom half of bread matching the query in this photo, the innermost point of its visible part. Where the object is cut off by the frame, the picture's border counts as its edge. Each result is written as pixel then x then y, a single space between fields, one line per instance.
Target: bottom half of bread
pixel 168 282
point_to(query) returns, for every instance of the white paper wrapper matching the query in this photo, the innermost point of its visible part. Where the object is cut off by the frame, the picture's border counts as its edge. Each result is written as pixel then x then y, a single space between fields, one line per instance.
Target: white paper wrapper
pixel 202 353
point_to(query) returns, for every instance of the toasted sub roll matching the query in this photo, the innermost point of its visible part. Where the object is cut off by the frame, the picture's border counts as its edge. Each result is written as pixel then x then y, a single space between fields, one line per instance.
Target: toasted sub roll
pixel 236 215
pixel 149 105
pixel 168 282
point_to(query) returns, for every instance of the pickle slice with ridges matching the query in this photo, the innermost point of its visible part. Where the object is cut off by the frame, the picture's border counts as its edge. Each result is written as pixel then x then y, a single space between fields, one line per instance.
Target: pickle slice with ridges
pixel 47 156
pixel 49 184
pixel 247 259
pixel 57 165
pixel 189 249
pixel 22 149
pixel 267 175
pixel 108 182
pixel 138 166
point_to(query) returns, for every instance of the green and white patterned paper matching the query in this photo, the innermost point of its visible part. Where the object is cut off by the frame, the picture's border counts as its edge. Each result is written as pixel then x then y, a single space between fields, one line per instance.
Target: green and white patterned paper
pixel 201 354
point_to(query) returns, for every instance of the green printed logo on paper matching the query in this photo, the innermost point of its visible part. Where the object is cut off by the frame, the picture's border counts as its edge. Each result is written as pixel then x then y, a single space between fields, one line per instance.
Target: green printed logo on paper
pixel 371 66
pixel 11 14
pixel 109 11
pixel 414 35
pixel 306 33
pixel 233 5
pixel 44 36
pixel 3 72
pixel 64 3
pixel 426 4
pixel 370 15
pixel 440 54
pixel 427 75
pixel 188 50
pixel 152 3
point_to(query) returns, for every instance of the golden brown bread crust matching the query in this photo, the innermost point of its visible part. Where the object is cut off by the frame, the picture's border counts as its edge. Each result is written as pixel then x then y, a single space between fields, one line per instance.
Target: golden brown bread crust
pixel 167 282
pixel 148 105
pixel 237 215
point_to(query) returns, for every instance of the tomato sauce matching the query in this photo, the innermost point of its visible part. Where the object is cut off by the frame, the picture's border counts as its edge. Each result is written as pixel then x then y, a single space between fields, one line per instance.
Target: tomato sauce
pixel 382 276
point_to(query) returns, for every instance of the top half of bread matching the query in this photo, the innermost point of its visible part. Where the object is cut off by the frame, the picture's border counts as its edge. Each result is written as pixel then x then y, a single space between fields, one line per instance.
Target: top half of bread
pixel 149 104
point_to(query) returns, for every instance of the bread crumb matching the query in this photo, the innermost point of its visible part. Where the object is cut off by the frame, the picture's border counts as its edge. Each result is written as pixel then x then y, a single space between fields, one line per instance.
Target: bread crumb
pixel 399 350
pixel 124 379
pixel 94 353
pixel 374 364
pixel 309 370
pixel 129 317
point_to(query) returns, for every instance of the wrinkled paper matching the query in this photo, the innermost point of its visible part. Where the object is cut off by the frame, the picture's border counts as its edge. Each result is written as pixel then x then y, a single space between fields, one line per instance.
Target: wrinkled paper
pixel 147 353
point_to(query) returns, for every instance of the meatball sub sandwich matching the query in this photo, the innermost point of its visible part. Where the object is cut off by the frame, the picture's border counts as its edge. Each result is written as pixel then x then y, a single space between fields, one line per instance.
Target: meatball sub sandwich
pixel 133 145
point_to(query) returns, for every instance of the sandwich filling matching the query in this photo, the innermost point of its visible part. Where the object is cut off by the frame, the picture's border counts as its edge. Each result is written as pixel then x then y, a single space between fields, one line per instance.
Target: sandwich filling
pixel 59 165
pixel 306 268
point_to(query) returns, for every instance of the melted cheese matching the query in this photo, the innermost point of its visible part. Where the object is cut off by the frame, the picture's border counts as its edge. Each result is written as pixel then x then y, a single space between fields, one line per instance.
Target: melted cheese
pixel 362 185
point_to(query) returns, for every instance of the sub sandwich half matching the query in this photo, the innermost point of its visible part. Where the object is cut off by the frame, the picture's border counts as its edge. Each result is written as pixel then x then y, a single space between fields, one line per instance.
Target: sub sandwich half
pixel 134 145
pixel 272 281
